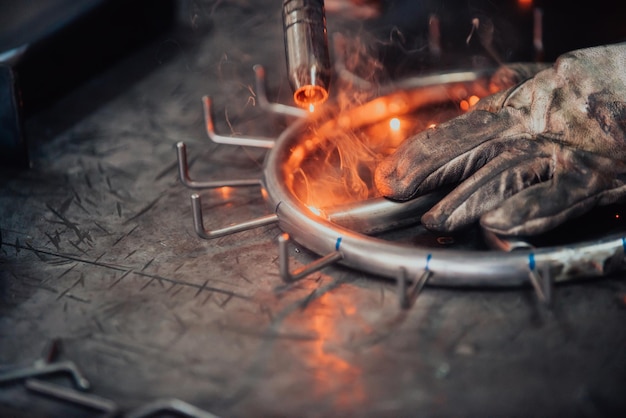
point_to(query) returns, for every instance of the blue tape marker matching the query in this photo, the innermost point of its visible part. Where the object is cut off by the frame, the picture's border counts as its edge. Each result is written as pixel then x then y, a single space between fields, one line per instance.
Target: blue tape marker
pixel 531 261
pixel 624 244
pixel 338 244
pixel 428 258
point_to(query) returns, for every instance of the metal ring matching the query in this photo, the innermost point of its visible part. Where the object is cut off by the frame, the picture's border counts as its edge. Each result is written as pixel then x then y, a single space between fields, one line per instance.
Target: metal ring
pixel 448 267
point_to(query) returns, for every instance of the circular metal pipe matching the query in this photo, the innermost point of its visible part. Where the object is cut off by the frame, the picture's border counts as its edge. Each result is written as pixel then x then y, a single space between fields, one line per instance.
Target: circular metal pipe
pixel 448 267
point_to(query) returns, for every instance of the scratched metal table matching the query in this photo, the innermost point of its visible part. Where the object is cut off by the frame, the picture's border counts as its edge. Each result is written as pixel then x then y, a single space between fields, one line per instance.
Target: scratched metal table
pixel 99 252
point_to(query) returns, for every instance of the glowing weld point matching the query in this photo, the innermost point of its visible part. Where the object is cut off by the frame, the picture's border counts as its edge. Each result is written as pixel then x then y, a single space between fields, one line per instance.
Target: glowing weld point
pixel 315 210
pixel 466 104
pixel 394 124
pixel 311 108
pixel 225 191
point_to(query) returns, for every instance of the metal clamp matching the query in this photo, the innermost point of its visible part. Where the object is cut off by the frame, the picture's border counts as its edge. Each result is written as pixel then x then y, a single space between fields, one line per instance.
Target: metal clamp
pixel 230 140
pixel 196 202
pixel 278 108
pixel 185 178
pixel 408 295
pixel 198 222
pixel 541 279
pixel 317 265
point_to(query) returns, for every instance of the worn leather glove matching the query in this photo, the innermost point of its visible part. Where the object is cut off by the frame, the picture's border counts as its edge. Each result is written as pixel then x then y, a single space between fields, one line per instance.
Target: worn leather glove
pixel 527 158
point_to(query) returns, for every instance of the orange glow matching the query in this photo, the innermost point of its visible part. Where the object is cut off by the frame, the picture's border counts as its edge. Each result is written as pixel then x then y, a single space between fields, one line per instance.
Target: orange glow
pixel 311 108
pixel 617 216
pixel 310 94
pixel 334 162
pixel 315 210
pixel 350 310
pixel 380 106
pixel 298 154
pixel 524 4
pixel 225 191
pixel 466 104
pixel 394 124
pixel 334 375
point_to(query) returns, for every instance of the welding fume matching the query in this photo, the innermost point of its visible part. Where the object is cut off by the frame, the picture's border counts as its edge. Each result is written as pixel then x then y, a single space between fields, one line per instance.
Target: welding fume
pixel 549 146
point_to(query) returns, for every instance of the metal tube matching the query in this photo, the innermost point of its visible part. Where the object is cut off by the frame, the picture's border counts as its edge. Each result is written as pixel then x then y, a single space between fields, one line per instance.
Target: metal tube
pixel 306 50
pixel 185 178
pixel 381 214
pixel 198 222
pixel 317 265
pixel 71 395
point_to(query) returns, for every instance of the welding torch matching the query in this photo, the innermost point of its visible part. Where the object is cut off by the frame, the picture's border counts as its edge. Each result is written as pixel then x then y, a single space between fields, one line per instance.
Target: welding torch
pixel 306 50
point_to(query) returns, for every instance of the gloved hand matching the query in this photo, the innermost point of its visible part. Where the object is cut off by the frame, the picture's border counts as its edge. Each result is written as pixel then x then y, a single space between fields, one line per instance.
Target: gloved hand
pixel 527 158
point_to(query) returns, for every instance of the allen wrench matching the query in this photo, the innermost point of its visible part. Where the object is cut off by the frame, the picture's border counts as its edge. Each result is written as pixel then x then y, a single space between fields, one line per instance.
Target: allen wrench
pixel 44 367
pixel 170 405
pixel 72 396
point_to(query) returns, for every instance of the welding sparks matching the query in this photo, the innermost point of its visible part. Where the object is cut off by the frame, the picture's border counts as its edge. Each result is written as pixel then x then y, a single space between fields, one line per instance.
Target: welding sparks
pixel 225 191
pixel 334 163
pixel 466 104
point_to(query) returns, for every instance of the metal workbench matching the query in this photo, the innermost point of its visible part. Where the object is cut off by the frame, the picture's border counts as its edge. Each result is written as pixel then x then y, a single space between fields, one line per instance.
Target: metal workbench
pixel 99 253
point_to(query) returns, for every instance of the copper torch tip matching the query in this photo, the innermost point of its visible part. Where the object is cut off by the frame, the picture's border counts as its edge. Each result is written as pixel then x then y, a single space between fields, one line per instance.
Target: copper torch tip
pixel 306 50
pixel 309 95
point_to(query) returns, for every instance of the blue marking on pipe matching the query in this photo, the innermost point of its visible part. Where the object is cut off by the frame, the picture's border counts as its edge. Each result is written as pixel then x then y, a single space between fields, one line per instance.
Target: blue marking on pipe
pixel 428 258
pixel 338 244
pixel 531 261
pixel 624 244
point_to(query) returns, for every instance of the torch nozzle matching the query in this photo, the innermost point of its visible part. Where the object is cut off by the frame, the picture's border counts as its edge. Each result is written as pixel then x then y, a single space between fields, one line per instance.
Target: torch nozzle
pixel 306 50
